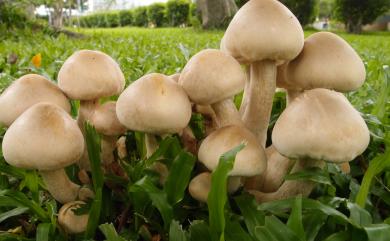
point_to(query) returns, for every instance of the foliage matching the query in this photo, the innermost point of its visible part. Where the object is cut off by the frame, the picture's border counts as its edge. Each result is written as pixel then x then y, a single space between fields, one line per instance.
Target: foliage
pixel 137 207
pixel 355 13
pixel 178 12
pixel 140 17
pixel 156 14
pixel 304 10
pixel 126 17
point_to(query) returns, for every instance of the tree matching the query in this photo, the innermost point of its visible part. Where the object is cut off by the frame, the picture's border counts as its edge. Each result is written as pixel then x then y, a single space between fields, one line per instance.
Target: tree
pixel 356 13
pixel 216 13
pixel 304 10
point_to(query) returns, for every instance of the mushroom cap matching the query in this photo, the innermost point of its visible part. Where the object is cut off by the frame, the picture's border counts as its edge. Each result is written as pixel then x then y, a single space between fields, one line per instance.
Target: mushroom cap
pixel 321 124
pixel 69 221
pixel 250 161
pixel 326 61
pixel 106 121
pixel 211 76
pixel 200 186
pixel 27 91
pixel 263 29
pixel 89 75
pixel 154 104
pixel 44 137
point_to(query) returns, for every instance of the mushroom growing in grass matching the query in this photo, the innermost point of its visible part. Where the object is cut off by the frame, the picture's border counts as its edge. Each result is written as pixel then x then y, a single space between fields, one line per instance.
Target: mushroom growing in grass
pixel 262 34
pixel 26 91
pixel 87 76
pixel 154 104
pixel 46 138
pixel 250 161
pixel 200 186
pixel 69 221
pixel 319 125
pixel 212 77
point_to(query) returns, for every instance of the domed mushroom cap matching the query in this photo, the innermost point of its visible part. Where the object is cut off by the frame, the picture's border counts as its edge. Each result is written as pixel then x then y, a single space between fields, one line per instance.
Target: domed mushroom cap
pixel 326 61
pixel 69 221
pixel 211 76
pixel 154 104
pixel 89 75
pixel 44 137
pixel 321 124
pixel 200 186
pixel 263 29
pixel 106 121
pixel 27 91
pixel 250 161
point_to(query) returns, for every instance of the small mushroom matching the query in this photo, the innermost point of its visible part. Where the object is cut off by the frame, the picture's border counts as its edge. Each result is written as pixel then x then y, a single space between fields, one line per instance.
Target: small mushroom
pixel 46 138
pixel 319 125
pixel 69 221
pixel 212 77
pixel 262 34
pixel 200 186
pixel 26 91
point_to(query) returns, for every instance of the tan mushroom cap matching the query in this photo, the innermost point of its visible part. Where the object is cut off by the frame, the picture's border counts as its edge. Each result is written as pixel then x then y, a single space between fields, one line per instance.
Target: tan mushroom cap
pixel 106 121
pixel 69 221
pixel 321 124
pixel 154 104
pixel 211 76
pixel 44 137
pixel 27 91
pixel 89 75
pixel 326 61
pixel 250 161
pixel 263 29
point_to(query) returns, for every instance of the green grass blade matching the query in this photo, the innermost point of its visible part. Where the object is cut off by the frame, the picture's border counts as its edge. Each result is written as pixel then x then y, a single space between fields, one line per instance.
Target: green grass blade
pixel 295 220
pixel 43 232
pixel 176 232
pixel 340 236
pixel 11 213
pixel 252 216
pixel 279 230
pixel 313 174
pixel 179 177
pixel 218 194
pixel 199 230
pixel 110 233
pixel 378 232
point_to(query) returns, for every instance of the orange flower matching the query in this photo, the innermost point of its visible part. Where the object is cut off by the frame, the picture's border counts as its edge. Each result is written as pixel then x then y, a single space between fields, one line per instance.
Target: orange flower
pixel 36 60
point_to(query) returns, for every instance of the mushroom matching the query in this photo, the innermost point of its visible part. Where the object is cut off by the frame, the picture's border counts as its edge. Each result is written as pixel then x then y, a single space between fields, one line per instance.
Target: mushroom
pixel 262 34
pixel 87 76
pixel 250 161
pixel 212 77
pixel 27 91
pixel 71 222
pixel 326 61
pixel 319 125
pixel 156 105
pixel 46 138
pixel 200 186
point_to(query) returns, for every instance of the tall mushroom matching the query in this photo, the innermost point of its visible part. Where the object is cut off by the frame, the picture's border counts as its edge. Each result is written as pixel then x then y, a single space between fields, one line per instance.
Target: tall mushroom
pixel 262 34
pixel 319 125
pixel 87 76
pixel 26 91
pixel 212 77
pixel 46 138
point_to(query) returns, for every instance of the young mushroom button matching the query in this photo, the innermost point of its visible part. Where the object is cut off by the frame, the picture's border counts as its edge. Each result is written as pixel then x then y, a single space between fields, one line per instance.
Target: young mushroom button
pixel 262 34
pixel 57 143
pixel 212 77
pixel 70 221
pixel 26 91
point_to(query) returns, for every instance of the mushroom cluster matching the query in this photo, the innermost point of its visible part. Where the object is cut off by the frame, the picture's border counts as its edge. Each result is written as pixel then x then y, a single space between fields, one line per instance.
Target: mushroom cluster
pixel 263 48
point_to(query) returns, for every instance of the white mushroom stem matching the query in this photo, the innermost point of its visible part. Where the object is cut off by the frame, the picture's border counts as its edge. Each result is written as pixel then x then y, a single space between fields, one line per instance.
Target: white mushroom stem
pixel 261 92
pixel 292 94
pixel 291 188
pixel 226 113
pixel 245 96
pixel 62 188
pixel 151 146
pixel 86 110
pixel 108 145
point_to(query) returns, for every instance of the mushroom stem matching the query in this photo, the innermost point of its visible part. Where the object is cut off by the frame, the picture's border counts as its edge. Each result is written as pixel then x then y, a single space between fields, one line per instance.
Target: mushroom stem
pixel 234 183
pixel 108 145
pixel 62 188
pixel 292 94
pixel 261 92
pixel 151 144
pixel 86 110
pixel 226 113
pixel 245 96
pixel 291 188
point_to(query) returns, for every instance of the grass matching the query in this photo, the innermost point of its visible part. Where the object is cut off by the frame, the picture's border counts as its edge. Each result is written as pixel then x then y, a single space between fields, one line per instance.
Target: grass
pixel 343 207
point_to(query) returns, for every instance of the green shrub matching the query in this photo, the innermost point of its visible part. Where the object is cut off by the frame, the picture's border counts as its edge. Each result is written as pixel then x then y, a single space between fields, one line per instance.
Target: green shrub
pixel 140 17
pixel 126 17
pixel 178 12
pixel 156 14
pixel 112 19
pixel 304 10
pixel 12 16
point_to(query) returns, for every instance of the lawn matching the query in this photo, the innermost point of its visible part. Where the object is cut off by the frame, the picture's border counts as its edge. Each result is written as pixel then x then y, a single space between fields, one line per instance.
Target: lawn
pixel 140 51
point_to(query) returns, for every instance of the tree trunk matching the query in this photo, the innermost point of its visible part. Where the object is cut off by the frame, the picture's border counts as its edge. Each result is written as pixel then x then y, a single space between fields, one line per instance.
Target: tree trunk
pixel 216 13
pixel 57 14
pixel 354 26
